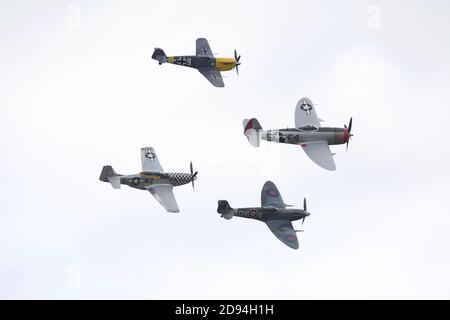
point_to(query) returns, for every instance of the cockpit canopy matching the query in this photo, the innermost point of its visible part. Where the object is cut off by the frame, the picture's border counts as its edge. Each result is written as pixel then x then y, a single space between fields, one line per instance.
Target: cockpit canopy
pixel 308 127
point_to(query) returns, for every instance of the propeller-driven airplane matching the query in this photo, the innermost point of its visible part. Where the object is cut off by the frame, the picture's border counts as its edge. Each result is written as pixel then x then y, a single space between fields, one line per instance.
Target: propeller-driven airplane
pixel 314 139
pixel 152 178
pixel 273 212
pixel 203 61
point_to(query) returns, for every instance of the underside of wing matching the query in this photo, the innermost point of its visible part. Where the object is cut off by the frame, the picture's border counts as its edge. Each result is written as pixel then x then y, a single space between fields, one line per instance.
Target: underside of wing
pixel 202 48
pixel 320 153
pixel 149 160
pixel 164 194
pixel 213 75
pixel 271 197
pixel 284 231
pixel 305 113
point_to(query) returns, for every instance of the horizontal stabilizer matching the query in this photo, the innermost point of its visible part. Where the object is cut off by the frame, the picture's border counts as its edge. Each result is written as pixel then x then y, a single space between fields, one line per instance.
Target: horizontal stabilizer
pixel 159 55
pixel 224 209
pixel 115 182
pixel 109 175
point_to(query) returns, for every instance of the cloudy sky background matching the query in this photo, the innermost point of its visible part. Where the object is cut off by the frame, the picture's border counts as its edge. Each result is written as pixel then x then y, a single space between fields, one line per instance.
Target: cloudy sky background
pixel 78 90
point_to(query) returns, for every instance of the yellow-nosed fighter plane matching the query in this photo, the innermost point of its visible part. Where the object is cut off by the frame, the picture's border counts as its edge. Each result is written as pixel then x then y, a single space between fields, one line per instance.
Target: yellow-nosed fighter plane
pixel 203 61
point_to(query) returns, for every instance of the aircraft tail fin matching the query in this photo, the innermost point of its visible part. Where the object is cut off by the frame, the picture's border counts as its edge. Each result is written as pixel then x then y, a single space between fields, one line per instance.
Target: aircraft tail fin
pixel 109 175
pixel 159 55
pixel 252 130
pixel 224 209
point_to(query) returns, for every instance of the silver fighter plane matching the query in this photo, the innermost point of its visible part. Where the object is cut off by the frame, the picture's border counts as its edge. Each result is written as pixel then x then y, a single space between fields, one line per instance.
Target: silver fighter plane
pixel 314 139
pixel 152 178
pixel 272 212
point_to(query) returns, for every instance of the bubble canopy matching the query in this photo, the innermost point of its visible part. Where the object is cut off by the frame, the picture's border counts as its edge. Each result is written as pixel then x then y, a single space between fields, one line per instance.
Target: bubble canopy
pixel 308 127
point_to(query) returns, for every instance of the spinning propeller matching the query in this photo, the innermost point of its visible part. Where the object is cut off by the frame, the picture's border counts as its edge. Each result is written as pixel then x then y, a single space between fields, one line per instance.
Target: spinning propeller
pixel 193 175
pixel 304 209
pixel 237 58
pixel 349 131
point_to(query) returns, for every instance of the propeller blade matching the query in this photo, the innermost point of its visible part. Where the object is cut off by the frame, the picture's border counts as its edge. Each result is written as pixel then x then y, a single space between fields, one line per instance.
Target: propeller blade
pixel 236 57
pixel 304 204
pixel 193 175
pixel 349 130
pixel 303 220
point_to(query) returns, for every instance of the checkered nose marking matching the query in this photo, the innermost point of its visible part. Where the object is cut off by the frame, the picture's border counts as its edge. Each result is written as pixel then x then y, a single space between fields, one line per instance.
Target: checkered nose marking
pixel 180 178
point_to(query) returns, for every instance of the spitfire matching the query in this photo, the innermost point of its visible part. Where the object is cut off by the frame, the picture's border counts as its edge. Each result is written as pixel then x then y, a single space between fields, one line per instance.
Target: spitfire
pixel 273 212
pixel 203 61
pixel 152 178
pixel 308 132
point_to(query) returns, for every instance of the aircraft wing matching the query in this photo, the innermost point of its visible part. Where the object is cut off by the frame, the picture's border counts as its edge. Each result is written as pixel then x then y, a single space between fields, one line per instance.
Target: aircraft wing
pixel 150 161
pixel 202 48
pixel 164 194
pixel 271 197
pixel 320 153
pixel 305 113
pixel 213 75
pixel 284 231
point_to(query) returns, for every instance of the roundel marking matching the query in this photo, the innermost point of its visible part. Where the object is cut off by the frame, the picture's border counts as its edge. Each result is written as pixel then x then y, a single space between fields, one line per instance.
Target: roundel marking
pixel 306 107
pixel 272 192
pixel 253 213
pixel 290 238
pixel 150 155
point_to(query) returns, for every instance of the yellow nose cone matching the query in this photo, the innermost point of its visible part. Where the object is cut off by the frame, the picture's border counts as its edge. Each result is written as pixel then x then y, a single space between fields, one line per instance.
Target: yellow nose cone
pixel 225 64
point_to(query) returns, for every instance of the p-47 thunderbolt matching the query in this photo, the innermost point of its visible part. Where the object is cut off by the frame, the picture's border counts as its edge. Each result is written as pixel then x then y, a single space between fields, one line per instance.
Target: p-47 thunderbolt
pixel 314 139
pixel 152 178
pixel 273 212
pixel 203 61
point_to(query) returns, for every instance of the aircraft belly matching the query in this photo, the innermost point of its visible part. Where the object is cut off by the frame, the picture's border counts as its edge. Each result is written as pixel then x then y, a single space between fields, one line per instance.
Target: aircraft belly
pixel 142 182
pixel 297 137
pixel 319 136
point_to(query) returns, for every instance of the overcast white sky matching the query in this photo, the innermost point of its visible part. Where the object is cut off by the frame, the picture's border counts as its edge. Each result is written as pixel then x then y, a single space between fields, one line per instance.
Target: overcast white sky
pixel 78 90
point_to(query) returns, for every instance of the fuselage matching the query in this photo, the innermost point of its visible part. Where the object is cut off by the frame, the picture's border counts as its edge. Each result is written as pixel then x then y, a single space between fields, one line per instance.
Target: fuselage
pixel 145 179
pixel 270 213
pixel 222 64
pixel 331 135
